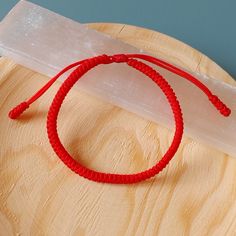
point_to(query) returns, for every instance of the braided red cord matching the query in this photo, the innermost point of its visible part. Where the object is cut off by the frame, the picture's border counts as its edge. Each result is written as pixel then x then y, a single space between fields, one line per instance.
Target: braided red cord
pixel 84 66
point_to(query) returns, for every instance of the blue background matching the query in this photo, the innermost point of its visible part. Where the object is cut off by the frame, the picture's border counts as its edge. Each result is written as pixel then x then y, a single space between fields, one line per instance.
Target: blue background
pixel 207 25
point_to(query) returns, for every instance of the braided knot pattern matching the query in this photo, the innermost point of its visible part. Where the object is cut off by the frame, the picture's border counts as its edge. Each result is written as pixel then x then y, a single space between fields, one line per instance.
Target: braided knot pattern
pixel 159 80
pixel 224 110
pixel 111 177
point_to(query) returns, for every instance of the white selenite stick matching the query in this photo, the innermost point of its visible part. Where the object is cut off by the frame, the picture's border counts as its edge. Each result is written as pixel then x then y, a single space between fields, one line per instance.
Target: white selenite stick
pixel 47 42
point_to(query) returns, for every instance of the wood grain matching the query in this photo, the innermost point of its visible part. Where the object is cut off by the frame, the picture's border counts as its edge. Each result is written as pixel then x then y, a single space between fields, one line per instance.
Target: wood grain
pixel 194 195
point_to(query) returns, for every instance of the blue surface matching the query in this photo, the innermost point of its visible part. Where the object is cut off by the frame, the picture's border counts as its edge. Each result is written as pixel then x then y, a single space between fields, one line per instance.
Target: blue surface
pixel 207 25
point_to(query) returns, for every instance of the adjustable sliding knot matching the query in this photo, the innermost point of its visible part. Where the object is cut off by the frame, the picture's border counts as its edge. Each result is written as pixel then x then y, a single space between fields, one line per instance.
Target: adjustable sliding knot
pixel 101 59
pixel 119 58
pixel 18 110
pixel 224 110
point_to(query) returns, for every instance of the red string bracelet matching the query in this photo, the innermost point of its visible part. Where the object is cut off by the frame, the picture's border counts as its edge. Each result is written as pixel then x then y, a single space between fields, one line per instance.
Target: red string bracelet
pixel 132 60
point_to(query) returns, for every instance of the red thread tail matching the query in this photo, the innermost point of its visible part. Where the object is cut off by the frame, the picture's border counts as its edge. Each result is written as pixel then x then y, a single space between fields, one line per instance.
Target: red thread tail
pixel 18 110
pixel 224 110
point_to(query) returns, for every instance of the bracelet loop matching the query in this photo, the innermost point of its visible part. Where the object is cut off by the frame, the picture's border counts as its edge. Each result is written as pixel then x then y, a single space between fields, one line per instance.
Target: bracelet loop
pixel 109 177
pixel 133 61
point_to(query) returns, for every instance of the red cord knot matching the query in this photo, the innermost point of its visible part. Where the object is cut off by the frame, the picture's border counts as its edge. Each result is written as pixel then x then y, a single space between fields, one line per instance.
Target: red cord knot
pixel 224 110
pixel 104 58
pixel 119 58
pixel 18 110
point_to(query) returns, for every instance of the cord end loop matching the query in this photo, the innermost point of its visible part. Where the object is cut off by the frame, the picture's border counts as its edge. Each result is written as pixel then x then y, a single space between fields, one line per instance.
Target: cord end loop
pixel 224 110
pixel 18 110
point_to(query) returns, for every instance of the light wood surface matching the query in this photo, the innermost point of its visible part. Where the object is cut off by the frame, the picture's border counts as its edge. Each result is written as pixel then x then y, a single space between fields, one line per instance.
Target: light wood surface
pixel 194 195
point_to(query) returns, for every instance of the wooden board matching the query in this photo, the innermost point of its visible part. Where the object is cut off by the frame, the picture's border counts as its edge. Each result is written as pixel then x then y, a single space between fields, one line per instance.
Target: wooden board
pixel 194 195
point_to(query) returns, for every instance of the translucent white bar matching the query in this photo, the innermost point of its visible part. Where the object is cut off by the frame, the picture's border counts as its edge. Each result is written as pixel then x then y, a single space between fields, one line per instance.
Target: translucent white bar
pixel 46 42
